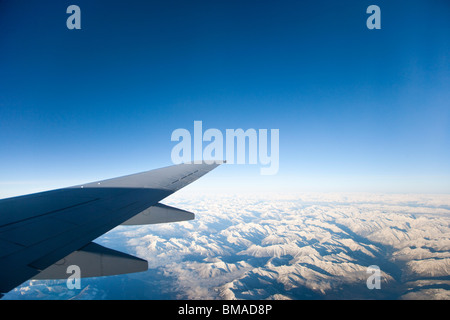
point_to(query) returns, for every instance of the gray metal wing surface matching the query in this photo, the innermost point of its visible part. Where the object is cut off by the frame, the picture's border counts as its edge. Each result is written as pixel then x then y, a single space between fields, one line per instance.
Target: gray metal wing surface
pixel 42 231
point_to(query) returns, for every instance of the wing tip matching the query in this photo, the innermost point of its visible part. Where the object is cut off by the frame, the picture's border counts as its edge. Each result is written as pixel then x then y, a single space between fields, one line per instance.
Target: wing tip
pixel 206 162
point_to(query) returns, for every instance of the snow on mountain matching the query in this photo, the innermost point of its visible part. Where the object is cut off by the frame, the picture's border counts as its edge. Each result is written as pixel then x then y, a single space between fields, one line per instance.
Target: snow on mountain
pixel 294 246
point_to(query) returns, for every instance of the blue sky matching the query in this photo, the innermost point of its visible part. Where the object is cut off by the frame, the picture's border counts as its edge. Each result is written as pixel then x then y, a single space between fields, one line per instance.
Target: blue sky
pixel 357 109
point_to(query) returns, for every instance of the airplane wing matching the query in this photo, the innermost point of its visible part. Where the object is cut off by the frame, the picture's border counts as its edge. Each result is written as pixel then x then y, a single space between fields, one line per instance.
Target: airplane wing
pixel 44 233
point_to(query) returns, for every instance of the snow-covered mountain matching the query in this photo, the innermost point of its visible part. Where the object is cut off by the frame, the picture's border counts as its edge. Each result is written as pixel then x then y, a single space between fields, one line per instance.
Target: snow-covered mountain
pixel 297 246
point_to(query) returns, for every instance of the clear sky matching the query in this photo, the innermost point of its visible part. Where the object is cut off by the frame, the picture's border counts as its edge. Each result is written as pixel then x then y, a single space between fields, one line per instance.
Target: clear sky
pixel 357 109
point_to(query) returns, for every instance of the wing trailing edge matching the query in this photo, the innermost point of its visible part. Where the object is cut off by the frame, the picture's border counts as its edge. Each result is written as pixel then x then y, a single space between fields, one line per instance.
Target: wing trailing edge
pixel 159 213
pixel 94 260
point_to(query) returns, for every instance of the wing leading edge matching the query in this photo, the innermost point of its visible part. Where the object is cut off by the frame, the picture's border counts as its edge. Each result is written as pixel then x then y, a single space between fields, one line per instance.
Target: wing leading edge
pixel 41 230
